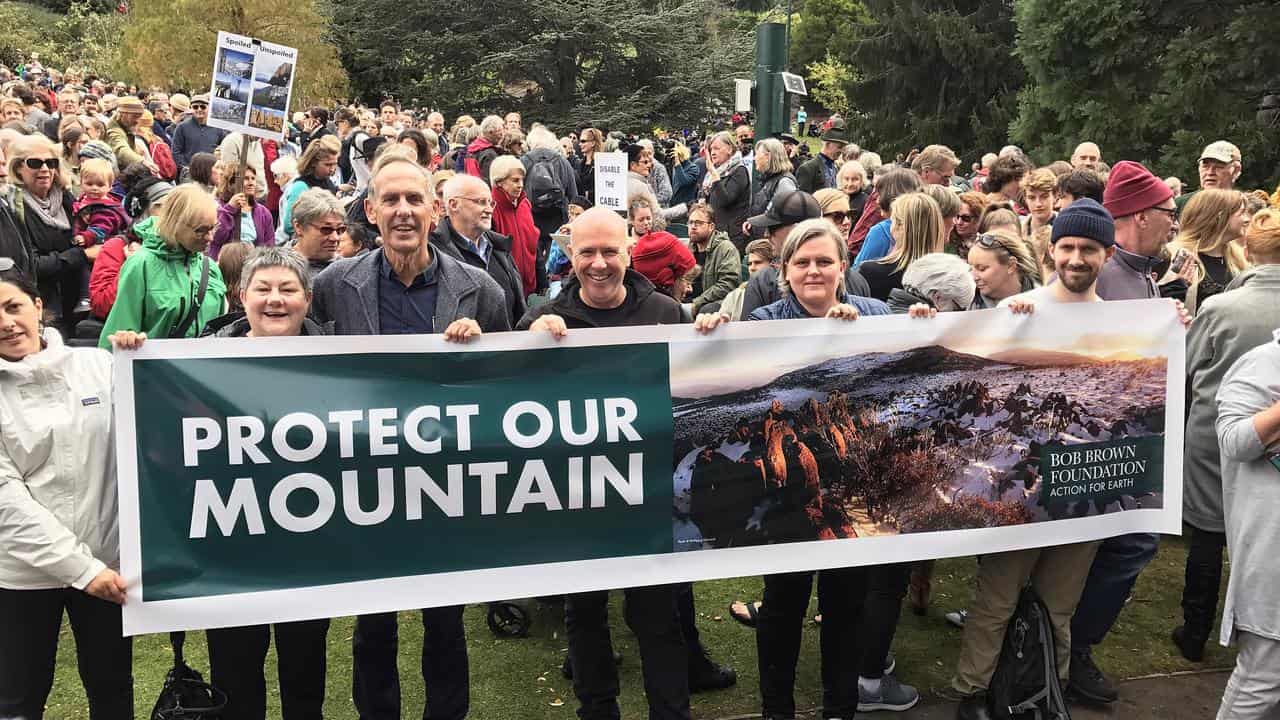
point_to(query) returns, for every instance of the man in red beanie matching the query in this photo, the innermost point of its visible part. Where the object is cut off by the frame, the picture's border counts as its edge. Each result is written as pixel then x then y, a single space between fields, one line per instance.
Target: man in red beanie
pixel 1142 205
pixel 1145 219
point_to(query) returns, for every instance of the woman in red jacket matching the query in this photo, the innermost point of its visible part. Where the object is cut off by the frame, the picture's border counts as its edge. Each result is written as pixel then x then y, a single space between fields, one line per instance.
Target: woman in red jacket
pixel 513 217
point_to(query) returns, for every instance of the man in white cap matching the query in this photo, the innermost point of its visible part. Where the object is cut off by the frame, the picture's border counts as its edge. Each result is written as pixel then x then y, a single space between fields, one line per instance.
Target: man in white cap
pixel 194 135
pixel 1219 168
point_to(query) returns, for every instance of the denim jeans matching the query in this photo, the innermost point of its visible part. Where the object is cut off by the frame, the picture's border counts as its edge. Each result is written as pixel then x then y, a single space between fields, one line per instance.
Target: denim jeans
pixel 1115 569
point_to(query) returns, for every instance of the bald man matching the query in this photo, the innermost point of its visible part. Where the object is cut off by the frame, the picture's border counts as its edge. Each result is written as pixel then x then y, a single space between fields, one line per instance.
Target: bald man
pixel 606 293
pixel 1087 155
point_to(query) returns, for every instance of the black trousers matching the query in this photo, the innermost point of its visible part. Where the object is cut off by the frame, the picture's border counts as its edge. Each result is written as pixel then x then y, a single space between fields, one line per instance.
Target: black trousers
pixel 688 616
pixel 786 600
pixel 1203 581
pixel 651 614
pixel 30 621
pixel 237 656
pixel 886 586
pixel 376 679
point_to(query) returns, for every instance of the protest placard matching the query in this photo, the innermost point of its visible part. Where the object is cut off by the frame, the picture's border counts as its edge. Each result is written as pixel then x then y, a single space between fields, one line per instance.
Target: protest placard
pixel 252 85
pixel 611 180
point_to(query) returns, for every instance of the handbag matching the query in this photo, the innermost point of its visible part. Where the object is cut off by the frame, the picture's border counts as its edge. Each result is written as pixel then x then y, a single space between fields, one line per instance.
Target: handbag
pixel 185 695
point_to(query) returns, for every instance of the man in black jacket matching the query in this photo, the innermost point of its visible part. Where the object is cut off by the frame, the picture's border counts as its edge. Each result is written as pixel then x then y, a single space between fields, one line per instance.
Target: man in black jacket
pixel 820 172
pixel 605 293
pixel 465 234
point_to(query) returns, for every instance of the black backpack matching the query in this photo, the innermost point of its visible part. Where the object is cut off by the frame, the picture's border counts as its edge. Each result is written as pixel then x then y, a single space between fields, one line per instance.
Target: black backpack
pixel 185 695
pixel 543 186
pixel 1025 685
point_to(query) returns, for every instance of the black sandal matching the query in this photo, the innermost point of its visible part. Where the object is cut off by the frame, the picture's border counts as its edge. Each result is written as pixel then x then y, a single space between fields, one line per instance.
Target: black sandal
pixel 753 613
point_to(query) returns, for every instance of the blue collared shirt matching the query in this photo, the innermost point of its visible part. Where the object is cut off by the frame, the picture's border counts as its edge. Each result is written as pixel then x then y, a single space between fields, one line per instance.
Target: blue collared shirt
pixel 406 310
pixel 480 247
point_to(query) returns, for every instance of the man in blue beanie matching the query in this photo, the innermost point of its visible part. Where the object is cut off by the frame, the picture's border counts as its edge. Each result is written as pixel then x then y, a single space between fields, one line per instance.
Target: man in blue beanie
pixel 1083 240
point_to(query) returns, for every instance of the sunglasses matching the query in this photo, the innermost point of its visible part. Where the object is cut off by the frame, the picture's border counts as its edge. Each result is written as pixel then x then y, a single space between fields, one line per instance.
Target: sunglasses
pixel 198 106
pixel 36 163
pixel 837 217
pixel 330 229
pixel 966 218
pixel 990 242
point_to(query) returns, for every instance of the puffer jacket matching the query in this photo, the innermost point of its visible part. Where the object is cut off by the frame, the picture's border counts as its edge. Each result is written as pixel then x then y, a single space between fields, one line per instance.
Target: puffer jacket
pixel 59 521
pixel 156 287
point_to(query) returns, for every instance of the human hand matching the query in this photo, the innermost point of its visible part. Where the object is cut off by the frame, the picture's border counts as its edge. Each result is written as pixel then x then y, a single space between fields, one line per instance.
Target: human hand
pixel 843 311
pixel 462 330
pixel 553 324
pixel 127 340
pixel 1022 307
pixel 707 322
pixel 239 200
pixel 1183 316
pixel 921 310
pixel 107 585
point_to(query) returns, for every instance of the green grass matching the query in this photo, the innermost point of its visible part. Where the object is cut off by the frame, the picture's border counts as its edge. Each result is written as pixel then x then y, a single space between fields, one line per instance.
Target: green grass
pixel 520 679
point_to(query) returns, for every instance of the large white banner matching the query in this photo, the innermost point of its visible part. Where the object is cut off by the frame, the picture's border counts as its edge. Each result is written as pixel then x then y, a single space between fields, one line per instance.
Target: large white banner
pixel 276 479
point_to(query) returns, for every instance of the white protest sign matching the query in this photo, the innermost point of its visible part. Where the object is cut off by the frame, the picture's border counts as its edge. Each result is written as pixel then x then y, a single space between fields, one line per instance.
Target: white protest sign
pixel 611 181
pixel 252 85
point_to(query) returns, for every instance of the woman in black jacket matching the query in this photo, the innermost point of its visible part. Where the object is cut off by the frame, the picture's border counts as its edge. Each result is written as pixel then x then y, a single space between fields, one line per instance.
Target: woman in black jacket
pixel 773 169
pixel 590 142
pixel 41 205
pixel 727 188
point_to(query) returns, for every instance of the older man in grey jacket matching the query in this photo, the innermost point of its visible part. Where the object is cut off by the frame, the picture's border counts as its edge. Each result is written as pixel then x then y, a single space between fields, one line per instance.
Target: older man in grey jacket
pixel 406 288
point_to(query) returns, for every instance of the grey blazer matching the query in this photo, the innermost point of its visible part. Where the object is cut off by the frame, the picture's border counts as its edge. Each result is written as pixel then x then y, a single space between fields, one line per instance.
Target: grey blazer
pixel 346 294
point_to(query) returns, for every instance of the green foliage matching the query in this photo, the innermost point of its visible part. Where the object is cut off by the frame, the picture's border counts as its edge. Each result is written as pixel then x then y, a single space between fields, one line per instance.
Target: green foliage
pixel 1149 81
pixel 825 30
pixel 83 38
pixel 934 71
pixel 616 63
pixel 828 83
pixel 170 43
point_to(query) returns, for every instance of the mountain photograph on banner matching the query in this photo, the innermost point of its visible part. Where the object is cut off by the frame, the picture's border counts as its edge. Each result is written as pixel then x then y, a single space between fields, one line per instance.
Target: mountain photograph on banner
pixel 952 435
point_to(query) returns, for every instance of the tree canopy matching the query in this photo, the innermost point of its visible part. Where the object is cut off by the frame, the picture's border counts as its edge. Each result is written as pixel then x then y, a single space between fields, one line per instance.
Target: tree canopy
pixel 616 63
pixel 170 43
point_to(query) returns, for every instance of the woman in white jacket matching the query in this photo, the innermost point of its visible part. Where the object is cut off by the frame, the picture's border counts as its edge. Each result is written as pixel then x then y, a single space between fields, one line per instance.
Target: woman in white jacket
pixel 58 514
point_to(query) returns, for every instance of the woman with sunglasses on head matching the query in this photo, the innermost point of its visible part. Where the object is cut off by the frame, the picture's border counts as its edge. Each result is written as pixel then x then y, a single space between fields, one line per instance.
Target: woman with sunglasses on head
pixel 42 205
pixel 590 142
pixel 58 514
pixel 1003 266
pixel 170 288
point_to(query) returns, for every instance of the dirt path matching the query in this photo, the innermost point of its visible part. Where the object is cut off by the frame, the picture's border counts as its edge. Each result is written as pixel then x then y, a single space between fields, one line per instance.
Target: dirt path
pixel 1182 696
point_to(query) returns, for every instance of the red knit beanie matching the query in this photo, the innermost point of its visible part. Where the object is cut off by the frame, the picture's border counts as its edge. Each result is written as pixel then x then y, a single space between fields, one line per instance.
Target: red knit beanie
pixel 1131 188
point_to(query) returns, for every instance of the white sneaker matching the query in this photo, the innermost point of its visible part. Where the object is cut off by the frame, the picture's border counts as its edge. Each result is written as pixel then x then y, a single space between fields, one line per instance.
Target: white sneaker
pixel 957 618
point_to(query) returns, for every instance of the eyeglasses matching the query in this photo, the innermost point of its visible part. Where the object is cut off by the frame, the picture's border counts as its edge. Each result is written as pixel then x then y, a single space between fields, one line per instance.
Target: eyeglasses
pixel 482 202
pixel 966 218
pixel 1171 212
pixel 198 106
pixel 36 163
pixel 837 217
pixel 699 223
pixel 202 230
pixel 330 229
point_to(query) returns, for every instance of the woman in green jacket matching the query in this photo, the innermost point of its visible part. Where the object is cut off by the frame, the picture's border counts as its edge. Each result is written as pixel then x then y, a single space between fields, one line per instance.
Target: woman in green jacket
pixel 169 288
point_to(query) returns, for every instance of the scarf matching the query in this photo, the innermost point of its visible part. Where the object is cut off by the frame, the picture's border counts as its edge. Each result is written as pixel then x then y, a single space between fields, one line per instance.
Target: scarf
pixel 722 169
pixel 50 211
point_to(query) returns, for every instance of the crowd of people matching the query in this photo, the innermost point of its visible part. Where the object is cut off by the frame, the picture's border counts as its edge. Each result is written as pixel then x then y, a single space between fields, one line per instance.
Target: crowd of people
pixel 125 216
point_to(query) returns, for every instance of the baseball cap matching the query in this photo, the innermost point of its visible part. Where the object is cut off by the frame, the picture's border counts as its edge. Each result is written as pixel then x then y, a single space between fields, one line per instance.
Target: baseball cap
pixel 787 208
pixel 1222 151
pixel 202 98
